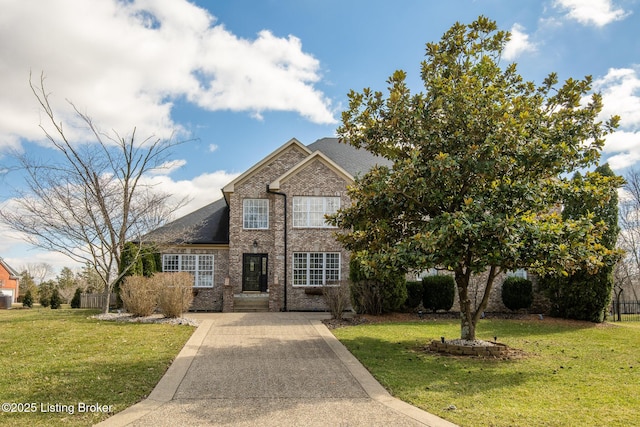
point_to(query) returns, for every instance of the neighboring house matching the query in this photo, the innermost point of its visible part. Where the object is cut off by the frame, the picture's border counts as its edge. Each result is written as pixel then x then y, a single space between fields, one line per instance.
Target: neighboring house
pixel 9 281
pixel 266 243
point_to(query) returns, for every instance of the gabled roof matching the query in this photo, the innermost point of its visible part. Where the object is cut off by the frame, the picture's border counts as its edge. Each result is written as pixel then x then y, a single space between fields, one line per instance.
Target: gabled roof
pixel 317 155
pixel 210 224
pixel 356 161
pixel 207 225
pixel 229 188
pixel 12 273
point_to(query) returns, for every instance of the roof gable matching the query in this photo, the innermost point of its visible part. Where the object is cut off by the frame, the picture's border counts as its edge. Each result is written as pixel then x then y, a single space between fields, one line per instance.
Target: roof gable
pixel 275 185
pixel 230 188
pixel 12 273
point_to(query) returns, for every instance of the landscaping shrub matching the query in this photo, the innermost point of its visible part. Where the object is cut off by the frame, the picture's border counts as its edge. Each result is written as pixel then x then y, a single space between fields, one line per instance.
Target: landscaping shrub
pixel 175 292
pixel 517 293
pixel 581 296
pixel 77 298
pixel 337 298
pixel 27 299
pixel 414 295
pixel 438 292
pixel 139 295
pixel 376 295
pixel 56 300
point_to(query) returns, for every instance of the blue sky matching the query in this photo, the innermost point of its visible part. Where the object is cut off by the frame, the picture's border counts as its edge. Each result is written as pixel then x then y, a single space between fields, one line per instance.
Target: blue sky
pixel 239 78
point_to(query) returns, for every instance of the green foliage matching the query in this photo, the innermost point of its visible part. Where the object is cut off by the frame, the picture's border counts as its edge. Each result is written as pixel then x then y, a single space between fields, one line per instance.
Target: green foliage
pixel 45 292
pixel 27 300
pixel 480 161
pixel 414 294
pixel 438 292
pixel 586 294
pixel 517 293
pixel 373 294
pixel 76 300
pixel 56 300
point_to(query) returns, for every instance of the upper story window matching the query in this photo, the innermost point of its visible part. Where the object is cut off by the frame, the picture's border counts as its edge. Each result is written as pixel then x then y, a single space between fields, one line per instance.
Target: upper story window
pixel 311 211
pixel 199 266
pixel 255 214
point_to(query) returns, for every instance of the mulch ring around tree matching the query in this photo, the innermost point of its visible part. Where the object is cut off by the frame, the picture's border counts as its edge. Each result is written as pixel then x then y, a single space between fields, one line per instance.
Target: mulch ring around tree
pixel 457 348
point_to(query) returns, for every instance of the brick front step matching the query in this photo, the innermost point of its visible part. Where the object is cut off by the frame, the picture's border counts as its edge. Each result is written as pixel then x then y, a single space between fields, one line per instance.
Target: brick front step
pixel 249 303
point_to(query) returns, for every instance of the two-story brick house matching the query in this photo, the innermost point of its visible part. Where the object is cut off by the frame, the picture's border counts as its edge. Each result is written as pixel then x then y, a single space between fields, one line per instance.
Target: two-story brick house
pixel 266 240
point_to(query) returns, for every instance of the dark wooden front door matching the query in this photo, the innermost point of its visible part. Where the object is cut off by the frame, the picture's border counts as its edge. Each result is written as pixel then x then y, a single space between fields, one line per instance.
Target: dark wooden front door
pixel 254 272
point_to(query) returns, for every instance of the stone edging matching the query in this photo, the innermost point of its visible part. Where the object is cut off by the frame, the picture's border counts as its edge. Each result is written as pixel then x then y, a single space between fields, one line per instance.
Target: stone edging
pixel 494 350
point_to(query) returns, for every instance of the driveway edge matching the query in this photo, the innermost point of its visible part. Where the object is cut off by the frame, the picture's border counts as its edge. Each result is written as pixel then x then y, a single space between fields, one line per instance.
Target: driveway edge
pixel 168 385
pixel 371 386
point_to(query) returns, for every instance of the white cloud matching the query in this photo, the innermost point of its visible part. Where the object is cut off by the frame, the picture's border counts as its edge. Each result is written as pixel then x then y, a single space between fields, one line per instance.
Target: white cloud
pixel 518 44
pixel 123 63
pixel 620 90
pixel 213 147
pixel 592 12
pixel 168 167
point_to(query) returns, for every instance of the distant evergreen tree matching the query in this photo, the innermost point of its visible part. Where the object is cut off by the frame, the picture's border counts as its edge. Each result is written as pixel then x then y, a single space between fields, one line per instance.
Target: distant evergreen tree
pixel 76 300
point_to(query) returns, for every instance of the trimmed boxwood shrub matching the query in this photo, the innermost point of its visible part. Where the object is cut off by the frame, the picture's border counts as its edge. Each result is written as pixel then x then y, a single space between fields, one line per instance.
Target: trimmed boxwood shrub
pixel 438 292
pixel 414 295
pixel 517 293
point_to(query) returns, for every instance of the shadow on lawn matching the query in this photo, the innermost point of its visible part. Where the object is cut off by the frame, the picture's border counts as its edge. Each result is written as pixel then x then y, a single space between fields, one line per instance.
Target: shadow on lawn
pixel 405 367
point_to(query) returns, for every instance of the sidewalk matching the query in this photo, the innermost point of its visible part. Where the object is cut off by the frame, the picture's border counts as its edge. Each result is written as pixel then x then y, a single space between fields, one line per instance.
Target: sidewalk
pixel 268 369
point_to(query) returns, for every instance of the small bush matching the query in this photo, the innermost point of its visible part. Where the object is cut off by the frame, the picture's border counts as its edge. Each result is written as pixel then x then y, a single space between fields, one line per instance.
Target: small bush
pixel 175 293
pixel 77 298
pixel 56 300
pixel 27 300
pixel 438 292
pixel 414 295
pixel 517 293
pixel 139 295
pixel 45 301
pixel 337 298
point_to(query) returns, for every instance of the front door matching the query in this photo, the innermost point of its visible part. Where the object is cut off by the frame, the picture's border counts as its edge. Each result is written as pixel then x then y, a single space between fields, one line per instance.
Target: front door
pixel 254 272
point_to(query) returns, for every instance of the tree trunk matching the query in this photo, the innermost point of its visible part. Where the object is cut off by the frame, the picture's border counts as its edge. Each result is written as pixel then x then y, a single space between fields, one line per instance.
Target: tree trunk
pixel 467 325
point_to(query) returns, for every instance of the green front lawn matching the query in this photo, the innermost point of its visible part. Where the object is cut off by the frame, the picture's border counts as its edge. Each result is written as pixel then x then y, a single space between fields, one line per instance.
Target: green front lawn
pixel 52 362
pixel 574 373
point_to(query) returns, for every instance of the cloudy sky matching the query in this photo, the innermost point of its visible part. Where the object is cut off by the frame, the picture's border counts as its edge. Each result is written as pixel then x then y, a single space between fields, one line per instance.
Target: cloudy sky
pixel 239 78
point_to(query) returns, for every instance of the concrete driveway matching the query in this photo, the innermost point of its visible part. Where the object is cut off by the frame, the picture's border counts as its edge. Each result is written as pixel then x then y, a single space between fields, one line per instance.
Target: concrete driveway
pixel 268 369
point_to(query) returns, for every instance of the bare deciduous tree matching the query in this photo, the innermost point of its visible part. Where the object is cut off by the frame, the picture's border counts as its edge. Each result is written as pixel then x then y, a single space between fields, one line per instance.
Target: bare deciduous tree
pixel 627 273
pixel 94 200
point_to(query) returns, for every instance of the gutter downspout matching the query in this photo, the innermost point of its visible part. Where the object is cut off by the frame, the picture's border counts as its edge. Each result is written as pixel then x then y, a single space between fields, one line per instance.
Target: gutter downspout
pixel 285 242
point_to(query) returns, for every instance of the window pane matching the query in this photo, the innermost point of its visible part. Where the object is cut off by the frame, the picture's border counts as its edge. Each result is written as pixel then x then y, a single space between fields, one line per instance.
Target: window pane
pixel 255 213
pixel 200 266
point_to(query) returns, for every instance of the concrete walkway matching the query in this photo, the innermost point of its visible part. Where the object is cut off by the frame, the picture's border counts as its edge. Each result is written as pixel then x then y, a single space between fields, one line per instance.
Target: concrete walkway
pixel 268 369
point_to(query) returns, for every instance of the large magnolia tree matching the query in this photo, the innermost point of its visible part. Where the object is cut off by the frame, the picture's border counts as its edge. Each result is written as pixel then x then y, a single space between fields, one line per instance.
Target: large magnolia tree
pixel 480 166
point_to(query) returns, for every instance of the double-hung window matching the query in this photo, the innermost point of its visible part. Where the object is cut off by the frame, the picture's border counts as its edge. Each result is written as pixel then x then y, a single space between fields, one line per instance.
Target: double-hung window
pixel 310 211
pixel 199 266
pixel 315 268
pixel 255 214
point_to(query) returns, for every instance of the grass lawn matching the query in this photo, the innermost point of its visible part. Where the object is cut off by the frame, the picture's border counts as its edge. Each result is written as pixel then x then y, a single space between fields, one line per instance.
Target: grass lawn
pixel 50 358
pixel 574 373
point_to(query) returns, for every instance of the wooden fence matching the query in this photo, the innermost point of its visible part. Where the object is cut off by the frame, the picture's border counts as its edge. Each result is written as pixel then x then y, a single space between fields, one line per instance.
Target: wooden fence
pixel 96 300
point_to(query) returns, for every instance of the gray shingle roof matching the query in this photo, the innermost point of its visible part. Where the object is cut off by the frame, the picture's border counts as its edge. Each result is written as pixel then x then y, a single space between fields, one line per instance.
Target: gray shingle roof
pixel 210 224
pixel 207 225
pixel 356 161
